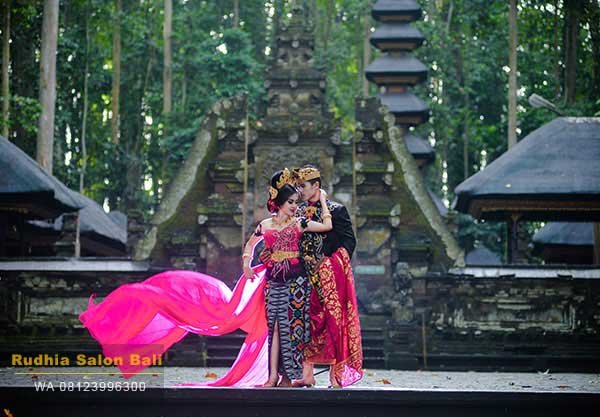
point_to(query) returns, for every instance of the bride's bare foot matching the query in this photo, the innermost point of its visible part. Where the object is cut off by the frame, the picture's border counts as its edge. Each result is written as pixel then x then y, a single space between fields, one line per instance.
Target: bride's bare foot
pixel 285 382
pixel 269 384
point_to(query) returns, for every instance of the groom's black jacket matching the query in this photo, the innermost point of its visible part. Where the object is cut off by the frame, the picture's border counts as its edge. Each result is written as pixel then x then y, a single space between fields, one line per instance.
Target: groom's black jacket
pixel 341 235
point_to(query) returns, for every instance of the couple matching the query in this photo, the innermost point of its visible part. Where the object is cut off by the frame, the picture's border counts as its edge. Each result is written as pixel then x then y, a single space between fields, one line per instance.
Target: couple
pixel 291 322
pixel 309 290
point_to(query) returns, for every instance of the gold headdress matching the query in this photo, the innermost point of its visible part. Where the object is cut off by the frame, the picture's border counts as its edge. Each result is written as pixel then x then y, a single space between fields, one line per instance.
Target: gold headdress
pixel 285 178
pixel 306 174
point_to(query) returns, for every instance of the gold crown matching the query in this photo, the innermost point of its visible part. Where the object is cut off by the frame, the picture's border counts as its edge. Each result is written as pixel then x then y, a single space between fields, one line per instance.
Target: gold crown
pixel 285 178
pixel 306 174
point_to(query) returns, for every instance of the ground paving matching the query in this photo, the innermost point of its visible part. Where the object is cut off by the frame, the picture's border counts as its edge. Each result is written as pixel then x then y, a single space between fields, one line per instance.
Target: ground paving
pixel 373 379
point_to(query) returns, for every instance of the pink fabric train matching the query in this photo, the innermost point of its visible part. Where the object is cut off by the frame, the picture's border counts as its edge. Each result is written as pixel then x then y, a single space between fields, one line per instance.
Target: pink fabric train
pixel 147 318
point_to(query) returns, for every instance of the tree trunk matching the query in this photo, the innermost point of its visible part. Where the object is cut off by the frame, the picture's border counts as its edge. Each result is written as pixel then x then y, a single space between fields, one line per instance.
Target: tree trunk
pixel 5 69
pixel 594 22
pixel 314 15
pixel 571 39
pixel 466 127
pixel 115 121
pixel 45 137
pixel 134 173
pixel 441 132
pixel 366 54
pixel 556 72
pixel 512 76
pixel 85 102
pixel 278 12
pixel 328 22
pixel 168 57
pixel 236 13
pixel 183 91
pixel 167 76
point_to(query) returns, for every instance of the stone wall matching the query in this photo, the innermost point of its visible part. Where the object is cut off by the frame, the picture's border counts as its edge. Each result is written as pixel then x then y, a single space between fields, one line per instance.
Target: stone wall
pixel 39 308
pixel 525 322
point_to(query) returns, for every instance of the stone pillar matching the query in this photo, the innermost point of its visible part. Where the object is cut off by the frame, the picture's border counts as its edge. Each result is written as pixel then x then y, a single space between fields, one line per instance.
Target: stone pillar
pixel 135 229
pixel 65 245
pixel 3 225
pixel 524 246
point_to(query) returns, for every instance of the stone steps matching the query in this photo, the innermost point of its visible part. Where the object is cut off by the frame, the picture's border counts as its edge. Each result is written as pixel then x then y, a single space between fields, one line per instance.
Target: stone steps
pixel 225 402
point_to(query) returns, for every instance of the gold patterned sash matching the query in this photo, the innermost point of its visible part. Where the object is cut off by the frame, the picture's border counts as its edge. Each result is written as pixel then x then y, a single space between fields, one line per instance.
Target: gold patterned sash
pixel 280 255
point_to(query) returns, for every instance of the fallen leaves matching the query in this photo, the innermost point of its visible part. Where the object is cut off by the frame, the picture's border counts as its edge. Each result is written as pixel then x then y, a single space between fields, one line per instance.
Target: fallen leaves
pixel 384 381
pixel 210 375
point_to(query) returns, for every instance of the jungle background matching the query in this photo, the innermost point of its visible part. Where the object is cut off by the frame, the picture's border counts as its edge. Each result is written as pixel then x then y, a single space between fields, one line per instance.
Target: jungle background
pixel 134 80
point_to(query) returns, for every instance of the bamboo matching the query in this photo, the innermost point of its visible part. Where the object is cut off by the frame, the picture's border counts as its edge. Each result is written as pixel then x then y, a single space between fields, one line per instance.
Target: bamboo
pixel 512 76
pixel 5 70
pixel 116 79
pixel 245 196
pixel 366 54
pixel 45 137
pixel 168 58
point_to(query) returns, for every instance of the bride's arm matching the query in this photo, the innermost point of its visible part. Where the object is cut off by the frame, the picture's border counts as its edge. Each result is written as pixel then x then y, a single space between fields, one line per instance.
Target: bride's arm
pixel 326 225
pixel 247 255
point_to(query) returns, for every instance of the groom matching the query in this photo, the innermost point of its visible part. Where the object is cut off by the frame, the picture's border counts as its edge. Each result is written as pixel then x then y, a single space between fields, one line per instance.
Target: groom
pixel 334 329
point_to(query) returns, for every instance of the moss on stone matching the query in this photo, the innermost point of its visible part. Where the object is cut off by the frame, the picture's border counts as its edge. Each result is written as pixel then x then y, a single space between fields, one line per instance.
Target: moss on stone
pixel 178 212
pixel 417 207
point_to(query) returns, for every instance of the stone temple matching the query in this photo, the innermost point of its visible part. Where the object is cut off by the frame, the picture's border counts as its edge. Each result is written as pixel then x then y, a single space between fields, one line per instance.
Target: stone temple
pixel 420 305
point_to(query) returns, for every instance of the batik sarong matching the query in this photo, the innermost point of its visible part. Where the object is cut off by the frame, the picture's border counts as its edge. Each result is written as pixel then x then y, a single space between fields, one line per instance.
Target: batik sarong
pixel 335 327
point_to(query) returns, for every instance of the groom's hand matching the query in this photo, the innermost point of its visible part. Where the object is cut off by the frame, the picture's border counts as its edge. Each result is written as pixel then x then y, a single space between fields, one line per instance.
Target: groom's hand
pixel 265 256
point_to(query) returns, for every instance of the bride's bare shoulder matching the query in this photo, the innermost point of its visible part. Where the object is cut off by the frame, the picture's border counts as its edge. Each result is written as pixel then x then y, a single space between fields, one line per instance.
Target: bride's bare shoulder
pixel 266 223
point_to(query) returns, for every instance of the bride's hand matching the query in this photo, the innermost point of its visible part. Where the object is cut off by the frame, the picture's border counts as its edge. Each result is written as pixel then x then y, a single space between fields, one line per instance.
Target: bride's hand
pixel 249 273
pixel 323 195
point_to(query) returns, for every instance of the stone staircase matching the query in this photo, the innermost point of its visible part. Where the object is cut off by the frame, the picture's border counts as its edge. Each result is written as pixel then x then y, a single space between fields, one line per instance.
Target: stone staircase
pixel 221 351
pixel 373 344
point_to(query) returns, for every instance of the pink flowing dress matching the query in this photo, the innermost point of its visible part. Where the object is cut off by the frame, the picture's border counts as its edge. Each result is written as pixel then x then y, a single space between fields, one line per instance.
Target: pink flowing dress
pixel 139 322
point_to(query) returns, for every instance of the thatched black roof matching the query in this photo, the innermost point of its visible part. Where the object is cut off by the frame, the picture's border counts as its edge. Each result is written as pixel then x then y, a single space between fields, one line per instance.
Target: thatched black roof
pixel 419 148
pixel 439 204
pixel 407 10
pixel 482 256
pixel 408 108
pixel 95 222
pixel 565 233
pixel 551 174
pixel 396 70
pixel 397 37
pixel 25 185
pixel 119 218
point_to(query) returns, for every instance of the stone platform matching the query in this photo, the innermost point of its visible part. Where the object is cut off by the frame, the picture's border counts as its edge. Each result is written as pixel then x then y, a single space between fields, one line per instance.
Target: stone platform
pixel 380 393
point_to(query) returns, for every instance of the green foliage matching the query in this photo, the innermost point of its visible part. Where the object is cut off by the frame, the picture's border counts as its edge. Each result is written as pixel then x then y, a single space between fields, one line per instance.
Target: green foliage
pixel 466 51
pixel 26 113
pixel 473 234
pixel 467 54
pixel 339 50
